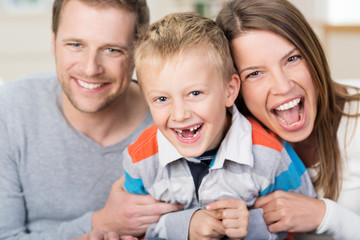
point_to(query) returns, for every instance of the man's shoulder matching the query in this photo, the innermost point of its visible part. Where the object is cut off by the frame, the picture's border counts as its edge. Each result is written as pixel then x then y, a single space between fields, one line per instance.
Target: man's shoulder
pixel 30 85
pixel 145 146
pixel 34 89
pixel 264 137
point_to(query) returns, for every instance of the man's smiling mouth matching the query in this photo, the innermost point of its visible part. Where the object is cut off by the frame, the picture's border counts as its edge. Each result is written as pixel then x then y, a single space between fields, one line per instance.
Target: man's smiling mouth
pixel 290 113
pixel 90 85
pixel 188 133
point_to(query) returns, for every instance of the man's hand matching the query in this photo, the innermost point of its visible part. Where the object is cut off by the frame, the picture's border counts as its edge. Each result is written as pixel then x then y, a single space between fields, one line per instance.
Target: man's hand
pixel 129 214
pixel 234 215
pixel 291 212
pixel 102 235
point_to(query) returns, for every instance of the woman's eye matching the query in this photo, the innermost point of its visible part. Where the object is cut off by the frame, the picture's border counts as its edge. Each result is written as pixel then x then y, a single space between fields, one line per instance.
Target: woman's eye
pixel 253 74
pixel 294 58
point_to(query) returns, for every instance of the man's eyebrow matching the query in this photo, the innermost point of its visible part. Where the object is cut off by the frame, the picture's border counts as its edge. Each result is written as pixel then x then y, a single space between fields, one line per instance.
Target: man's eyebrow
pixel 106 45
pixel 71 40
pixel 121 46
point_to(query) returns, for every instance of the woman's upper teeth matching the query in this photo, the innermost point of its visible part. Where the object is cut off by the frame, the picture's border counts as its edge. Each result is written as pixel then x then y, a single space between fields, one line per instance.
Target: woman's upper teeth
pixel 288 105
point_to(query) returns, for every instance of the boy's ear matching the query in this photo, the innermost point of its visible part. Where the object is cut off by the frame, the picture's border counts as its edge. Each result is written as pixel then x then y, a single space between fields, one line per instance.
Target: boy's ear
pixel 232 90
pixel 53 42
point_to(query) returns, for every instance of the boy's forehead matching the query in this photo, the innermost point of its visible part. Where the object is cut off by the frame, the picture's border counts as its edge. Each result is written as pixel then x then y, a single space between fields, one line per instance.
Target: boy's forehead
pixel 154 65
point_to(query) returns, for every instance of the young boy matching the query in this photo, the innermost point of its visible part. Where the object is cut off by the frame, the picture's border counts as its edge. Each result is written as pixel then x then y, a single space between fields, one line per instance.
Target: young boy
pixel 201 148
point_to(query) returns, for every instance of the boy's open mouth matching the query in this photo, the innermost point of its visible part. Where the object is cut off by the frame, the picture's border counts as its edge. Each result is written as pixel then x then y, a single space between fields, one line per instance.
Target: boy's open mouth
pixel 290 113
pixel 188 133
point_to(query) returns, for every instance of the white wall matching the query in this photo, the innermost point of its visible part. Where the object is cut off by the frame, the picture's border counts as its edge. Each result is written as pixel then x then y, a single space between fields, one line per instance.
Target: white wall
pixel 25 37
pixel 25 44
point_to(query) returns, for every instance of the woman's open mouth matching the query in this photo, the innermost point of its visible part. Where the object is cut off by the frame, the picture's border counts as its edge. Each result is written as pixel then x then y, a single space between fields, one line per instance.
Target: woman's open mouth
pixel 291 113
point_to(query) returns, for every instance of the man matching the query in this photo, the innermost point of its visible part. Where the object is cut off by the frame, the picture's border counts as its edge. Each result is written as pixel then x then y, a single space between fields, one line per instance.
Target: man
pixel 61 136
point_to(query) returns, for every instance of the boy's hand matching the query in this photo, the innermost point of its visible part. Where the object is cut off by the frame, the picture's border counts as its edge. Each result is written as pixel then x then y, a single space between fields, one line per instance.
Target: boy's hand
pixel 129 214
pixel 206 225
pixel 234 215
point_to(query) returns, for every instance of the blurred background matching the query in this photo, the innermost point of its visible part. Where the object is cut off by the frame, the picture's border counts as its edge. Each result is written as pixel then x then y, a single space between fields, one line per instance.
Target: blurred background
pixel 25 32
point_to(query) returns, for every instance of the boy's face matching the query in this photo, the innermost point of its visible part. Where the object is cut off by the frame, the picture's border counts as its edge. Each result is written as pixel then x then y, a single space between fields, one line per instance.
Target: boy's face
pixel 188 100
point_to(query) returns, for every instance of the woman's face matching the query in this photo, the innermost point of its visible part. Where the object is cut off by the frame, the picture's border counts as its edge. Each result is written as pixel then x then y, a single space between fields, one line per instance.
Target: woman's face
pixel 276 84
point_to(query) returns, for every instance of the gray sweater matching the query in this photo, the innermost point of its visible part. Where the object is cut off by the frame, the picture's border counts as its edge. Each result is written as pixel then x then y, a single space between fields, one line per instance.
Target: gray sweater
pixel 52 177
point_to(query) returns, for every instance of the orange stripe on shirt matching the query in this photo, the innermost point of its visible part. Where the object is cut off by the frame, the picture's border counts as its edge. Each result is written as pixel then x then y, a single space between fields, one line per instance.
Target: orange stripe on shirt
pixel 264 138
pixel 145 146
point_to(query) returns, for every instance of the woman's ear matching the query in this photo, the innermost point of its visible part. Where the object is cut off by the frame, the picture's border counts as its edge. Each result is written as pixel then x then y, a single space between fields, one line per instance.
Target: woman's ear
pixel 232 90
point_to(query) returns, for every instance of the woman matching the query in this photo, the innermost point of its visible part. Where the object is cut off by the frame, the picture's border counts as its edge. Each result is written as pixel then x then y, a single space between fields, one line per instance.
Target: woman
pixel 286 85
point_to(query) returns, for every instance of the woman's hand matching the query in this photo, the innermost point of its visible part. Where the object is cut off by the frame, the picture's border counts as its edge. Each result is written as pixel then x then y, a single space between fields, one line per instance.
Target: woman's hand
pixel 291 212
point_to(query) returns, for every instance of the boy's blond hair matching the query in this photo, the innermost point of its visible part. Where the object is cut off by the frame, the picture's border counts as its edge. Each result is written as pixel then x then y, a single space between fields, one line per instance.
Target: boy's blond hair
pixel 177 33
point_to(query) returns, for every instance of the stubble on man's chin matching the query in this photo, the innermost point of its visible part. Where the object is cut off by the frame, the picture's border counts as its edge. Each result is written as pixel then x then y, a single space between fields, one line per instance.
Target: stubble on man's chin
pixel 105 104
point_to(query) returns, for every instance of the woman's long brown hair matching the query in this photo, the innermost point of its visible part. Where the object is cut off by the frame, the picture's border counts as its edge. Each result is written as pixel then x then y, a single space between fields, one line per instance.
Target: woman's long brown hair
pixel 281 17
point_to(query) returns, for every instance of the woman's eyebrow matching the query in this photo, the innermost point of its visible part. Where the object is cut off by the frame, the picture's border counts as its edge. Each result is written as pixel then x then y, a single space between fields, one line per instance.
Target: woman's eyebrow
pixel 289 53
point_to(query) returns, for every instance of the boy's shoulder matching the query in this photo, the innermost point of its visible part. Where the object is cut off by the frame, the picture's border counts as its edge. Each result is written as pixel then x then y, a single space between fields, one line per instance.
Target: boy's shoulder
pixel 264 137
pixel 145 146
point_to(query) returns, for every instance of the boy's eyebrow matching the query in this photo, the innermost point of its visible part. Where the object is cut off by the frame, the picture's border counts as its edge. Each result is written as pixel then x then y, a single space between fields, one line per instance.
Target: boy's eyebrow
pixel 284 57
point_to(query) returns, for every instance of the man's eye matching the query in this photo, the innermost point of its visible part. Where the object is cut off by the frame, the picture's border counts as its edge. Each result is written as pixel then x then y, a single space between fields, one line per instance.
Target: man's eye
pixel 75 45
pixel 113 50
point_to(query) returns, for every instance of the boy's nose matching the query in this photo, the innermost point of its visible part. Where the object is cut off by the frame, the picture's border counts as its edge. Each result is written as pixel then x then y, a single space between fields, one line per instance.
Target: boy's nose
pixel 180 112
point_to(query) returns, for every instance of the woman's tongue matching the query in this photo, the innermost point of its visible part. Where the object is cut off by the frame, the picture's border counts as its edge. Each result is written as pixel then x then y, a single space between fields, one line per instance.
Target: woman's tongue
pixel 289 116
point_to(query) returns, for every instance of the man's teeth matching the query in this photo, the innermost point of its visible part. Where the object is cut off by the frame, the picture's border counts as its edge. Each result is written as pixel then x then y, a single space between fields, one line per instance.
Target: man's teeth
pixel 89 85
pixel 289 105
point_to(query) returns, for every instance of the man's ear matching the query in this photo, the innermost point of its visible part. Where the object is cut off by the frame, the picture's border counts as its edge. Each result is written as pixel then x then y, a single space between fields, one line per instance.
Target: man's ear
pixel 53 43
pixel 232 89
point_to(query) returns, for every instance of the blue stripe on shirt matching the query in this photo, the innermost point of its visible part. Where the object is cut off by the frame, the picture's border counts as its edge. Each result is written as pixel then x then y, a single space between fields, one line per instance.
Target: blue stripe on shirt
pixel 134 185
pixel 289 179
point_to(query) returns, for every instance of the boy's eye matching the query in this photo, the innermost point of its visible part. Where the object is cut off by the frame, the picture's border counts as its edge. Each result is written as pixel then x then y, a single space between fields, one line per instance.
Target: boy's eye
pixel 195 93
pixel 160 99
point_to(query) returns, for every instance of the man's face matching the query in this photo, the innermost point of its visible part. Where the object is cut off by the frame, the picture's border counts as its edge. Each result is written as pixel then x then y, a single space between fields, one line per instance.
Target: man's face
pixel 93 51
